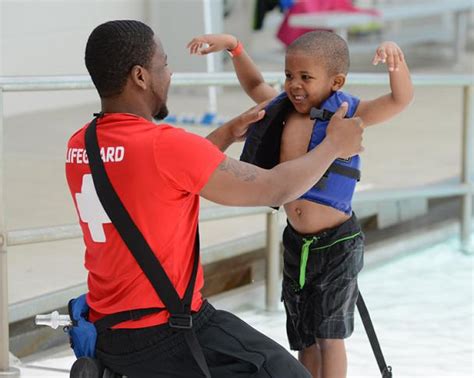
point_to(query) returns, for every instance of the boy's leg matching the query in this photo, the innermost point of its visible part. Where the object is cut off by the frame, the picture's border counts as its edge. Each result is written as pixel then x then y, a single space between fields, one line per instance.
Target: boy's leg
pixel 299 322
pixel 334 359
pixel 323 308
pixel 310 357
pixel 340 262
pixel 326 359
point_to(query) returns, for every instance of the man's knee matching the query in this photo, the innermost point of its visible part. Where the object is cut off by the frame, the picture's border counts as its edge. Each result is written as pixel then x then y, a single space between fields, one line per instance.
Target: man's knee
pixel 283 365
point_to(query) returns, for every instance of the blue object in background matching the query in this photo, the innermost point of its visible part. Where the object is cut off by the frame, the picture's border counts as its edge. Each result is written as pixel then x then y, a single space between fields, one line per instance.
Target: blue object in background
pixel 187 119
pixel 286 4
pixel 208 118
pixel 171 119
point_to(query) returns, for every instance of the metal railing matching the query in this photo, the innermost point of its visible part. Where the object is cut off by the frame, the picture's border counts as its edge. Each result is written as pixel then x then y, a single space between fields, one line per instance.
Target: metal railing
pixel 464 189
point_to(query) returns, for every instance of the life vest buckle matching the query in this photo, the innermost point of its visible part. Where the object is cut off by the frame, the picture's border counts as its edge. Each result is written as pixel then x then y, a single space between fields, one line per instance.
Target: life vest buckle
pixel 320 114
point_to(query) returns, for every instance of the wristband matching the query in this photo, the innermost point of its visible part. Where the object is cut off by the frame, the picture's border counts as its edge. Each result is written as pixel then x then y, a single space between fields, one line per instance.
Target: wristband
pixel 237 50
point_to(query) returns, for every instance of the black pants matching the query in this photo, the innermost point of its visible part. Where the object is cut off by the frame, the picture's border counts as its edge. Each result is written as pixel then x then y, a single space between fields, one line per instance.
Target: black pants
pixel 231 347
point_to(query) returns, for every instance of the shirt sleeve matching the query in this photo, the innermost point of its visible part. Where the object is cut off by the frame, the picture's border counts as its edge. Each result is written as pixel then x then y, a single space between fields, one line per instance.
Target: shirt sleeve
pixel 186 160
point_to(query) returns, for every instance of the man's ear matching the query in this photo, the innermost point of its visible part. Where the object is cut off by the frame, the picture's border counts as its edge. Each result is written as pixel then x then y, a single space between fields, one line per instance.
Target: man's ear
pixel 338 82
pixel 139 77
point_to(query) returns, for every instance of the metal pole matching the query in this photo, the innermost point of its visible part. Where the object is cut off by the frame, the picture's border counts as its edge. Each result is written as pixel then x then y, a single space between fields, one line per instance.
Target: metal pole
pixel 467 165
pixel 5 369
pixel 210 58
pixel 272 292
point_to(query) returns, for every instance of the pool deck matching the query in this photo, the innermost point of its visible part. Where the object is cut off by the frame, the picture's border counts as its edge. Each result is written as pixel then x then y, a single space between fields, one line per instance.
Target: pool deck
pixel 421 304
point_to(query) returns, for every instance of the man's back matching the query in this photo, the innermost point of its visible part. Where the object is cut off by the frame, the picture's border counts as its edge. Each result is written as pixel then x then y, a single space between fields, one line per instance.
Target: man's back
pixel 157 171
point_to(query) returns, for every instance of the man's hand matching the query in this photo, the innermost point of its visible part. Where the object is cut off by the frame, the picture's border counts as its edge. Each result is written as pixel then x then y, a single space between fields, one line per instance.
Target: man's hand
pixel 390 53
pixel 240 124
pixel 214 42
pixel 236 129
pixel 345 133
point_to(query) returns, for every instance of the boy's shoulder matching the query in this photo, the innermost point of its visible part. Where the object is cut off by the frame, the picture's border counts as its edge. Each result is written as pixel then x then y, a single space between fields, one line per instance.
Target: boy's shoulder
pixel 333 102
pixel 342 96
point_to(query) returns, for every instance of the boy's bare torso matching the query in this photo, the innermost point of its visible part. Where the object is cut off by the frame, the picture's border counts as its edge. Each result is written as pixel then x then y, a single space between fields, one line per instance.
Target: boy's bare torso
pixel 305 216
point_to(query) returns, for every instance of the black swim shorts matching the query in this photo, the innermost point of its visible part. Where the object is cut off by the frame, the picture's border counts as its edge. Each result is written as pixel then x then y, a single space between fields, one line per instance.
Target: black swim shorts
pixel 320 282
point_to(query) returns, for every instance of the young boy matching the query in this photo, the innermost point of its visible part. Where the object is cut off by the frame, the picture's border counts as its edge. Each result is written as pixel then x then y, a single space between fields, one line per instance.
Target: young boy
pixel 323 242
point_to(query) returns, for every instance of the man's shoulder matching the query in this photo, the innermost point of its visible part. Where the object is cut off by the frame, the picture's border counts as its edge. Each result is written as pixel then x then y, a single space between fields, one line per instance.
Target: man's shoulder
pixel 168 128
pixel 167 131
pixel 78 136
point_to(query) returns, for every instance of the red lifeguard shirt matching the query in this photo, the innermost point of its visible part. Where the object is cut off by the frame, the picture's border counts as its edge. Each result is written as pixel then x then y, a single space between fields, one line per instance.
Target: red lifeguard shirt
pixel 158 172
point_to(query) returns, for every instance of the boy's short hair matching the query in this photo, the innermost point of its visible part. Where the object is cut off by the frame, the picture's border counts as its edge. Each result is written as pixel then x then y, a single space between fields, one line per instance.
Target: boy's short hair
pixel 113 48
pixel 325 45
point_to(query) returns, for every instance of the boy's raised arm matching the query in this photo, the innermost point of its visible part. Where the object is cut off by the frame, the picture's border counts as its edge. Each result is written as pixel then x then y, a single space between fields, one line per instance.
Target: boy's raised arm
pixel 387 106
pixel 249 75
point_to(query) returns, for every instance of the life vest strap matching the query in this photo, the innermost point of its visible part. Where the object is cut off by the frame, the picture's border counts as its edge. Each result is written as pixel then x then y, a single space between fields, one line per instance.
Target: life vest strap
pixel 339 169
pixel 345 171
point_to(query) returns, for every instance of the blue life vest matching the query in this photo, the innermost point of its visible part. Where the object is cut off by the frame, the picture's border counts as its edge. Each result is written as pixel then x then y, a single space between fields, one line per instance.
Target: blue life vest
pixel 262 148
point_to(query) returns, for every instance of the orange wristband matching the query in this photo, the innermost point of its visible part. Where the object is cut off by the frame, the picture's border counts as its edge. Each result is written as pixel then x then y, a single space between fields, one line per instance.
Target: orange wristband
pixel 237 50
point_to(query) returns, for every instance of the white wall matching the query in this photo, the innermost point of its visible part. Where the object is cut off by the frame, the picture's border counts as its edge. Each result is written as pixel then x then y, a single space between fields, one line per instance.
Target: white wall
pixel 176 22
pixel 44 37
pixel 48 37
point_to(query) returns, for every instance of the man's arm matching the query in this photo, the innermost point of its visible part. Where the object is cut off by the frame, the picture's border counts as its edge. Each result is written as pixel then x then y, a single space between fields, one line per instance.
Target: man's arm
pixel 387 106
pixel 249 75
pixel 237 183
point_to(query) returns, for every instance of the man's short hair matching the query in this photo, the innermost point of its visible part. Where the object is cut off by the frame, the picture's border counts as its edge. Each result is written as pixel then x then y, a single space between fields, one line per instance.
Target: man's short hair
pixel 324 45
pixel 113 48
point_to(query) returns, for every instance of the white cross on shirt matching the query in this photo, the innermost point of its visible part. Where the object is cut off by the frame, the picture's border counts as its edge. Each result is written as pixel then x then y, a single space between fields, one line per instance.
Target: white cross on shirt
pixel 91 210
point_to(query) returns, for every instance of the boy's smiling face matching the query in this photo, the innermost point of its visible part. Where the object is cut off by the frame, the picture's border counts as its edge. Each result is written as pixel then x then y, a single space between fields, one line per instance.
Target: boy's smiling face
pixel 308 82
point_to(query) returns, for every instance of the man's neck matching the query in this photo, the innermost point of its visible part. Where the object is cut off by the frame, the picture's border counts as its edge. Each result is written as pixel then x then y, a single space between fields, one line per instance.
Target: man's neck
pixel 118 105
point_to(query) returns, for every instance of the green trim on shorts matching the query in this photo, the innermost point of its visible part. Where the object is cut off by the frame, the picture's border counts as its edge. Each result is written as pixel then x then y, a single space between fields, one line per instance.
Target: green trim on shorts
pixel 304 258
pixel 305 253
pixel 337 241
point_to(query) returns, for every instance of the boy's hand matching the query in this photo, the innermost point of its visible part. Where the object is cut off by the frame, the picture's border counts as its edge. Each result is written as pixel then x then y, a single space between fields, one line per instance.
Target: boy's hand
pixel 214 43
pixel 390 53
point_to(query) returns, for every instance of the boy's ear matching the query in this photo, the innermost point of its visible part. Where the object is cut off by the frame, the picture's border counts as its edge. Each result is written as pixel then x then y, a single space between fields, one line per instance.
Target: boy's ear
pixel 138 75
pixel 338 82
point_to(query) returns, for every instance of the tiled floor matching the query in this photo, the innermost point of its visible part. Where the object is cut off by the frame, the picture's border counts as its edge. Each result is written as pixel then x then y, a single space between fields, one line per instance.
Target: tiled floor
pixel 421 305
